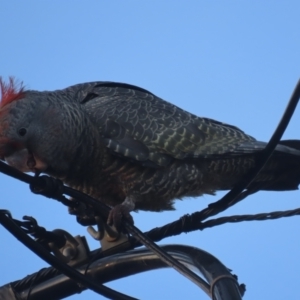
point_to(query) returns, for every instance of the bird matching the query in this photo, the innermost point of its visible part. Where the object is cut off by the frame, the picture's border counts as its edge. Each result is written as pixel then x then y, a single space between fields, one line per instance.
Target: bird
pixel 130 149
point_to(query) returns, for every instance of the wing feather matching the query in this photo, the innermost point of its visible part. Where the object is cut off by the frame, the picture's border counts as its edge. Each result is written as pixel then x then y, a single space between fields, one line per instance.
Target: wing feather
pixel 139 126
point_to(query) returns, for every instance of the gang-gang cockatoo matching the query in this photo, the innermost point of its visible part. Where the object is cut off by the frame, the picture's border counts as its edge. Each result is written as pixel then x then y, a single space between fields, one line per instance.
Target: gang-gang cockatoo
pixel 130 149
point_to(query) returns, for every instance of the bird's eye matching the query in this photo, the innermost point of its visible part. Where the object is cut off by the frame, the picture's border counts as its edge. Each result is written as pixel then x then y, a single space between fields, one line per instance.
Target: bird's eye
pixel 22 131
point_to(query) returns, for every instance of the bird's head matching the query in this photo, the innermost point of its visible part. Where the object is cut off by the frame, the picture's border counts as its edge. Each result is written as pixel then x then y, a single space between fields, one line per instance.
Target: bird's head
pixel 32 135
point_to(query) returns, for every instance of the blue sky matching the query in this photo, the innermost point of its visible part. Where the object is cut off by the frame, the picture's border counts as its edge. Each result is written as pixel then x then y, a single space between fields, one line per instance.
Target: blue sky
pixel 233 61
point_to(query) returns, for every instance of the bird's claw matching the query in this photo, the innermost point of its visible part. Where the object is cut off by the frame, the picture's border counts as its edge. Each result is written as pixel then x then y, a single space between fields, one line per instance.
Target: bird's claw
pixel 84 215
pixel 118 214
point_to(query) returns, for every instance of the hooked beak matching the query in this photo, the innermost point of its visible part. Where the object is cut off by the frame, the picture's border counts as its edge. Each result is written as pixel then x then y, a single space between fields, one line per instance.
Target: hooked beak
pixel 25 161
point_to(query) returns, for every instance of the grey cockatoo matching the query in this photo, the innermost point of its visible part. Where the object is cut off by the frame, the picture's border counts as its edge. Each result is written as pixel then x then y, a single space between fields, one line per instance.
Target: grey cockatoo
pixel 130 149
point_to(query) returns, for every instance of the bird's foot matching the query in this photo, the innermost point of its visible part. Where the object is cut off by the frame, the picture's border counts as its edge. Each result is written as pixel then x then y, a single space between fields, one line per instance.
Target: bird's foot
pixel 84 215
pixel 121 212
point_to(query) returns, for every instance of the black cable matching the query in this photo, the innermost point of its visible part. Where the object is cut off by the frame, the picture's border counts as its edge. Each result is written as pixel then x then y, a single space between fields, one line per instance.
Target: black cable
pixel 72 273
pixel 231 197
pixel 33 281
pixel 50 272
pixel 165 256
pixel 44 275
pixel 243 218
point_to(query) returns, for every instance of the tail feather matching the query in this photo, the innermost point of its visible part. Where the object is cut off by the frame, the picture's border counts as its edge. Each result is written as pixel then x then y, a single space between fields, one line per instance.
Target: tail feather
pixel 294 144
pixel 283 169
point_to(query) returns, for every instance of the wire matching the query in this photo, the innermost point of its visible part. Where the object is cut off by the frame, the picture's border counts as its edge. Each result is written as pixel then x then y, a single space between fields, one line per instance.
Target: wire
pixel 232 197
pixel 72 273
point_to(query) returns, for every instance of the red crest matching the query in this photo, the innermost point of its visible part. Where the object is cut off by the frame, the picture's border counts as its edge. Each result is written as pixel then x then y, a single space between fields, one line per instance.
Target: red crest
pixel 10 91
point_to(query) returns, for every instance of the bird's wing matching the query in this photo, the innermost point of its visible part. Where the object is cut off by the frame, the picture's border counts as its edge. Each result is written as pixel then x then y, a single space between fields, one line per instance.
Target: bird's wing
pixel 140 126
